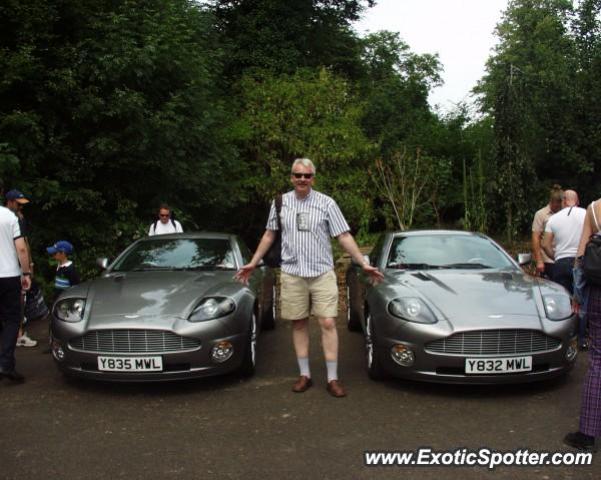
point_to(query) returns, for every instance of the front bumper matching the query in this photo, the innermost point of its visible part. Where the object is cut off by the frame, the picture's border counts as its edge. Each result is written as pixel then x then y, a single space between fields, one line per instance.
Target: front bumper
pixel 450 368
pixel 183 365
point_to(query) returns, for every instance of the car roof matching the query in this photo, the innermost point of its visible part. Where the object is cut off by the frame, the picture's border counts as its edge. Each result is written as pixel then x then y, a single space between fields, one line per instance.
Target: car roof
pixel 194 235
pixel 417 233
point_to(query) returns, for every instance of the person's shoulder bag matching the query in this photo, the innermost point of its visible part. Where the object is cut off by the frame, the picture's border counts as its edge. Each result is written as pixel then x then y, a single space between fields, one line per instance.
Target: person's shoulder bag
pixel 273 257
pixel 591 262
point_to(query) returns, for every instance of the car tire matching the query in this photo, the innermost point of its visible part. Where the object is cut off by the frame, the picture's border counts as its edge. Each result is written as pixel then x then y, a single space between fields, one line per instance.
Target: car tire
pixel 375 371
pixel 249 361
pixel 269 312
pixel 352 318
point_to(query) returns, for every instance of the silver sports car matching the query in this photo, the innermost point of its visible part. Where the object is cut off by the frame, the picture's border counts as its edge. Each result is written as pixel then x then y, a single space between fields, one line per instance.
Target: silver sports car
pixel 455 307
pixel 167 308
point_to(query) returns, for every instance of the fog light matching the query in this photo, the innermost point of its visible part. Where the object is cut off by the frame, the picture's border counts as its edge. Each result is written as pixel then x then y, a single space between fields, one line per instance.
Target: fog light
pixel 572 350
pixel 222 352
pixel 402 355
pixel 58 351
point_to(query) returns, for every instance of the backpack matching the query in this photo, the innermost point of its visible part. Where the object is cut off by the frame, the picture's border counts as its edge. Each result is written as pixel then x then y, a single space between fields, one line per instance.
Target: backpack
pixel 35 307
pixel 592 255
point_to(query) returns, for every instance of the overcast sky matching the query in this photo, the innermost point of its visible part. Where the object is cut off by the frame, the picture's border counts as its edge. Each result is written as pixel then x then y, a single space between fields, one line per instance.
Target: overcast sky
pixel 460 31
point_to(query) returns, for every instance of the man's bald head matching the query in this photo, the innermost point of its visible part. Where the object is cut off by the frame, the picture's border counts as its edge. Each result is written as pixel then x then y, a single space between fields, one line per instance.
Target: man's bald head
pixel 570 198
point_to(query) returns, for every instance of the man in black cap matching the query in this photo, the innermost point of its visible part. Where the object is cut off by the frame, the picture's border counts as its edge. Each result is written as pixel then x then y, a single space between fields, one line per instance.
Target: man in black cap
pixel 15 276
pixel 15 201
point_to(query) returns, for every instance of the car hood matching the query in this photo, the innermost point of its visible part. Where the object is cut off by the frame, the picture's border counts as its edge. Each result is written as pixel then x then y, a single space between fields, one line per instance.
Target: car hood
pixel 154 294
pixel 461 296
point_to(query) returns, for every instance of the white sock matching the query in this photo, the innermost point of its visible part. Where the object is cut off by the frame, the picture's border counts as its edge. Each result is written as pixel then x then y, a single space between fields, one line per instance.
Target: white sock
pixel 332 370
pixel 303 365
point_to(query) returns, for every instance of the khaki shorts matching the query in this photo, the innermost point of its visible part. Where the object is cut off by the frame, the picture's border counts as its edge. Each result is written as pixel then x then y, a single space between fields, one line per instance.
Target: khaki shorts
pixel 317 296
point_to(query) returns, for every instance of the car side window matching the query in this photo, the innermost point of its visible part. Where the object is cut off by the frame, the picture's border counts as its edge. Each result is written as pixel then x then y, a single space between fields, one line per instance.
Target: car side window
pixel 245 252
pixel 377 250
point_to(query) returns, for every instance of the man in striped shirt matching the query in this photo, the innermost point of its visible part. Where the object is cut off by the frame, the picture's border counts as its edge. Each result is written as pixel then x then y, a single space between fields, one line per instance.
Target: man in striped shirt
pixel 309 220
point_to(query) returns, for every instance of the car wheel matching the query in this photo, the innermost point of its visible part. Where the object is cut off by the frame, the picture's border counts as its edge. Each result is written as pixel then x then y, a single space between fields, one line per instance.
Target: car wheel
pixel 352 322
pixel 249 361
pixel 374 366
pixel 269 312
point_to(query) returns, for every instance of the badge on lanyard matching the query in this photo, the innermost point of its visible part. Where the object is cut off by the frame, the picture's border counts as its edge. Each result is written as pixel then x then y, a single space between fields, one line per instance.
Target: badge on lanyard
pixel 302 222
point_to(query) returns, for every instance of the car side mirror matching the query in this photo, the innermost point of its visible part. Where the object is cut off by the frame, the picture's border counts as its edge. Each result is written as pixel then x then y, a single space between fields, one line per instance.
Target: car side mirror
pixel 365 258
pixel 524 258
pixel 103 263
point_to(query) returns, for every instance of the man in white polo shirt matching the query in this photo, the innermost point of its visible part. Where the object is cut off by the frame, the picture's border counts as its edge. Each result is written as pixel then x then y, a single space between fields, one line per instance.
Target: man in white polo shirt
pixel 562 235
pixel 309 220
pixel 15 276
pixel 165 223
pixel 560 243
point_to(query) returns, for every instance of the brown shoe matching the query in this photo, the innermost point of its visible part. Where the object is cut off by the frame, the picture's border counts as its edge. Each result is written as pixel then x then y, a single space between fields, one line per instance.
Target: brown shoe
pixel 336 389
pixel 302 384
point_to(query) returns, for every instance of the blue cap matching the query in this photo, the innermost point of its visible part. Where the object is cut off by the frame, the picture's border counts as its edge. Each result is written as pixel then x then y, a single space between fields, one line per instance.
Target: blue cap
pixel 16 195
pixel 60 246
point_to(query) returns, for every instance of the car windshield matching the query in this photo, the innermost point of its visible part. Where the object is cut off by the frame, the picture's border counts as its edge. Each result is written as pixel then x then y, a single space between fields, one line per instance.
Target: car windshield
pixel 178 254
pixel 422 252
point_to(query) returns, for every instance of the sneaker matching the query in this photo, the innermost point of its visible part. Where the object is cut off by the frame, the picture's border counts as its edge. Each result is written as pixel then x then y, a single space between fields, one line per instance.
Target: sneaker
pixel 25 341
pixel 12 375
pixel 580 441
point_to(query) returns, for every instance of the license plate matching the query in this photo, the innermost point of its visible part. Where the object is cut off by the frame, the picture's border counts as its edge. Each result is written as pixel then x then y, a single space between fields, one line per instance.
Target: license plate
pixel 486 366
pixel 130 364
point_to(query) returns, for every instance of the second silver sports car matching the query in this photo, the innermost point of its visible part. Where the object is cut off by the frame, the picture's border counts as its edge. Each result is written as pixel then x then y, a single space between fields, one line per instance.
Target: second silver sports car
pixel 455 307
pixel 167 308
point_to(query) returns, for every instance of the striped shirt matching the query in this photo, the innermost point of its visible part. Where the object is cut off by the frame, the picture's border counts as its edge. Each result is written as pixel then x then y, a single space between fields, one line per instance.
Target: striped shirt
pixel 307 225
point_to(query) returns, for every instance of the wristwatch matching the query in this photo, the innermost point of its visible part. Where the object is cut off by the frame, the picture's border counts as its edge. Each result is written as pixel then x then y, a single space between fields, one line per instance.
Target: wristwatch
pixel 26 274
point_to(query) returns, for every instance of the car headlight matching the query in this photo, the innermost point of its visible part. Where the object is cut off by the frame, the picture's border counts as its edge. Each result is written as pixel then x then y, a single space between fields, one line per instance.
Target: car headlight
pixel 70 309
pixel 557 306
pixel 411 309
pixel 212 307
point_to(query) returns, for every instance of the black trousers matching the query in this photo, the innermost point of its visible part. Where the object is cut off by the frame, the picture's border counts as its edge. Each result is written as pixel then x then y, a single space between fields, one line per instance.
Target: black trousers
pixel 10 319
pixel 562 273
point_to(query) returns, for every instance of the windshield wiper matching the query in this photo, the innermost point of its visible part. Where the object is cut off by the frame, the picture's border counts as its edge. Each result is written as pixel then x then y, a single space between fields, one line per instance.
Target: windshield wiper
pixel 147 269
pixel 413 266
pixel 466 266
pixel 206 267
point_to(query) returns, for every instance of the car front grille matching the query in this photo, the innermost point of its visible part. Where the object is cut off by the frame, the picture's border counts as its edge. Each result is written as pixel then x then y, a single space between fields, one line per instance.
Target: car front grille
pixel 133 341
pixel 495 342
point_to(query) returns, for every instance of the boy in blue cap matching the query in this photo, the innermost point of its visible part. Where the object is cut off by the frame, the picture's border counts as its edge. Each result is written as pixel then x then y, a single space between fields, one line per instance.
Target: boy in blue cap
pixel 66 273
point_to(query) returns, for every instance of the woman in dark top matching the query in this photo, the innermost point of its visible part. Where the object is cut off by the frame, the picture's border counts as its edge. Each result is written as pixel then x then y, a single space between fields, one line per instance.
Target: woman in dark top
pixel 590 412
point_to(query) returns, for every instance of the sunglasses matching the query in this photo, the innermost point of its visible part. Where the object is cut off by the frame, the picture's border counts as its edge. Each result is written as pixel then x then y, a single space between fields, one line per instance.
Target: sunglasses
pixel 162 215
pixel 302 175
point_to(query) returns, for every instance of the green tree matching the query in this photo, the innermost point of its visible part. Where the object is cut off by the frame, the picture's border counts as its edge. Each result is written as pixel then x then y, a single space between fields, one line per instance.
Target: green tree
pixel 308 114
pixel 586 28
pixel 281 36
pixel 529 91
pixel 395 89
pixel 108 108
